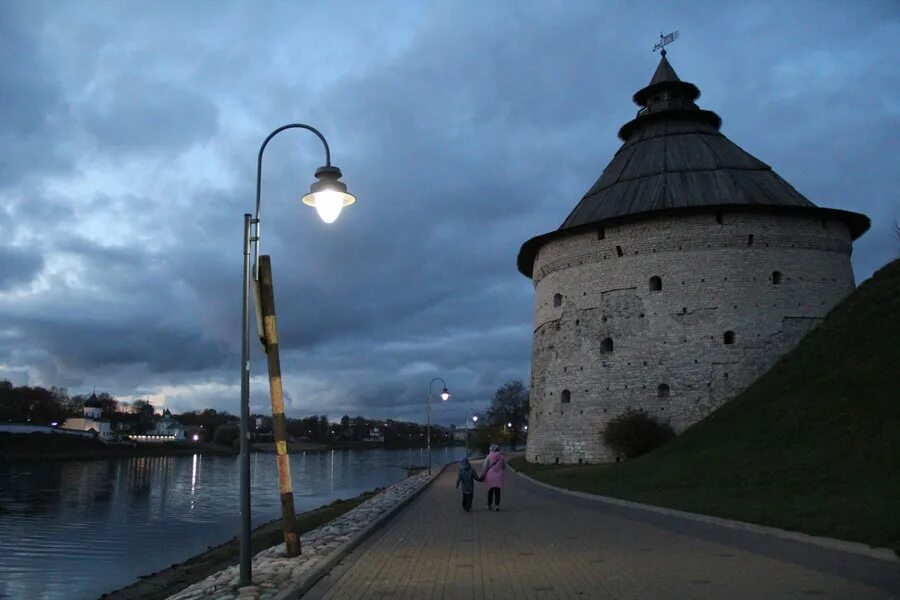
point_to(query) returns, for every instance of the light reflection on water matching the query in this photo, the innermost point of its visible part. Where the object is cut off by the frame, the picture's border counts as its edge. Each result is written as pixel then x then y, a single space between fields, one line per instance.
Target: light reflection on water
pixel 78 529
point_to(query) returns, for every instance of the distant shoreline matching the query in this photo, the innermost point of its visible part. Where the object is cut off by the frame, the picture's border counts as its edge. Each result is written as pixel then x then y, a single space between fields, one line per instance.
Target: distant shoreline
pixel 58 447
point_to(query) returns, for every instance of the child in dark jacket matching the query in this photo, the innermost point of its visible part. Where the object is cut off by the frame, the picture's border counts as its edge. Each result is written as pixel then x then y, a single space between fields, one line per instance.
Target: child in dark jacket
pixel 467 478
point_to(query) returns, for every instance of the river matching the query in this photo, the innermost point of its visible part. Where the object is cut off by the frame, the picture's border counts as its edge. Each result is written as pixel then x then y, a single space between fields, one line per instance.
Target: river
pixel 76 529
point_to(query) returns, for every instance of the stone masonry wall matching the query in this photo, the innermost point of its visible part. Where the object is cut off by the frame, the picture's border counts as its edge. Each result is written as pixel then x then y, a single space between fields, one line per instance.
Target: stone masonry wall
pixel 766 278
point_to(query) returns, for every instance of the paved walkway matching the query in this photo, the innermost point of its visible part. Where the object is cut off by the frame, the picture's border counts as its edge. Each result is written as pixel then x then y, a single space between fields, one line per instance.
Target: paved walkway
pixel 545 544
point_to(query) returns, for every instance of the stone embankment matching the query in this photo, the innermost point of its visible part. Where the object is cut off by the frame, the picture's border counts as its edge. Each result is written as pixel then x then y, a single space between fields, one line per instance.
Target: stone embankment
pixel 274 573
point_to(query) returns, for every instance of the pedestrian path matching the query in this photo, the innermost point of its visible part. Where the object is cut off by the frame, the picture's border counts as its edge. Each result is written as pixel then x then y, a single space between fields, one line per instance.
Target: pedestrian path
pixel 546 544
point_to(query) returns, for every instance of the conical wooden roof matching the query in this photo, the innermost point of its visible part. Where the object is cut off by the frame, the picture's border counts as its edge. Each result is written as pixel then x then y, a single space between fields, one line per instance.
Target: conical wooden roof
pixel 675 159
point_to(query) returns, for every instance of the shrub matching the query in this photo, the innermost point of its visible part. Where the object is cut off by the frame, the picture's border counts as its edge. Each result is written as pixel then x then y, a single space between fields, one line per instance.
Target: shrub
pixel 227 434
pixel 635 432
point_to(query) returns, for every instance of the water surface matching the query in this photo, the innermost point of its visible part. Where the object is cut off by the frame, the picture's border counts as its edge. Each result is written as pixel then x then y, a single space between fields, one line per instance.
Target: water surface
pixel 77 529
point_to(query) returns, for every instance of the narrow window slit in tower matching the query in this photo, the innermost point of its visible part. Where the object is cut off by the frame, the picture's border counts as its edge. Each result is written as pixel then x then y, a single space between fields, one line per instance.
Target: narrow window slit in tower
pixel 750 240
pixel 619 250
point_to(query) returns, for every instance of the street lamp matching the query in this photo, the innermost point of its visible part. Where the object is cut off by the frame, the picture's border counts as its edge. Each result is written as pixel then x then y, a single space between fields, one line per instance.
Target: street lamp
pixel 445 395
pixel 328 195
pixel 474 424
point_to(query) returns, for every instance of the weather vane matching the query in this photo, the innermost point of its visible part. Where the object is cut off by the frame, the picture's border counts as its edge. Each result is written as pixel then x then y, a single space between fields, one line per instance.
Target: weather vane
pixel 665 40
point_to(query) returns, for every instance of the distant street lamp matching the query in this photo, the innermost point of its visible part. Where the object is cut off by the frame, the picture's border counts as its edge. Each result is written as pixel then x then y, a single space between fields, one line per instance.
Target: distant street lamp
pixel 445 395
pixel 474 424
pixel 328 196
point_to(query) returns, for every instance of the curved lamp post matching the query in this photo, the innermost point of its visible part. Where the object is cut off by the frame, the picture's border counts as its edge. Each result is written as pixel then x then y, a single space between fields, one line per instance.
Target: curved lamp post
pixel 328 196
pixel 445 395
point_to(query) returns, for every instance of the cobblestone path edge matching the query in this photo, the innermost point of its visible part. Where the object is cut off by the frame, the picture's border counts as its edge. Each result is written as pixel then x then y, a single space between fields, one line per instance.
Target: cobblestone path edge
pixel 319 571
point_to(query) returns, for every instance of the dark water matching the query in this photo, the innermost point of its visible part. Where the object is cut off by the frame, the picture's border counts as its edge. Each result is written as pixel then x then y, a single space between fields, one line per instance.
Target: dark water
pixel 78 529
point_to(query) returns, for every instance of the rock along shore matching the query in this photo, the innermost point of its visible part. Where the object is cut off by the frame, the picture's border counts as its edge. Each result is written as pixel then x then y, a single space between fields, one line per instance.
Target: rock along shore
pixel 274 573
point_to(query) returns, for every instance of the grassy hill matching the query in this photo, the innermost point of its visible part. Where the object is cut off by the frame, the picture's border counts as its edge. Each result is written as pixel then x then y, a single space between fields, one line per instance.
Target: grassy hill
pixel 813 445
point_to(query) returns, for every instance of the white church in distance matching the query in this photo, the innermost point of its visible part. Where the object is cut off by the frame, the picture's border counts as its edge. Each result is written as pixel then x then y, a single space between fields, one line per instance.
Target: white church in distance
pixel 92 421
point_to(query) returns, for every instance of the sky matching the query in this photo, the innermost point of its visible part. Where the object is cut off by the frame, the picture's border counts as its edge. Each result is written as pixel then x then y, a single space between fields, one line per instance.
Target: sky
pixel 128 156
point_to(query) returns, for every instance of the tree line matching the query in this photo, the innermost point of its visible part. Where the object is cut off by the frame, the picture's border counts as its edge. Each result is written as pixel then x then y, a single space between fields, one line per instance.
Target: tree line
pixel 504 421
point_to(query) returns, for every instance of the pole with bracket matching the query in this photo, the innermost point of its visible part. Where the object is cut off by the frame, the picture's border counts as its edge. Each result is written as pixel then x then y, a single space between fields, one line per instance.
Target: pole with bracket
pixel 269 337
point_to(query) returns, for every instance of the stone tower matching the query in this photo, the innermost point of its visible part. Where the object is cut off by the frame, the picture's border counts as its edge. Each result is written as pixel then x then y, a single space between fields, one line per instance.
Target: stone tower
pixel 682 275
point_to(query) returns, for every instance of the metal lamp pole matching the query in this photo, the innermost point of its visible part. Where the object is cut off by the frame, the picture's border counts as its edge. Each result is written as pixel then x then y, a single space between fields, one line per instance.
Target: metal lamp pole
pixel 328 196
pixel 444 396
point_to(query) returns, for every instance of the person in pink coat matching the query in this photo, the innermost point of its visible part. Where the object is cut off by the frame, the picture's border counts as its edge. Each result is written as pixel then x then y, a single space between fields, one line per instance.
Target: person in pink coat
pixel 492 474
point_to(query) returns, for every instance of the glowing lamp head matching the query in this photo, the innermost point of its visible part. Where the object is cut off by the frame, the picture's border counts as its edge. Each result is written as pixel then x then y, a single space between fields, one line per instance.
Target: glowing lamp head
pixel 475 419
pixel 445 395
pixel 196 437
pixel 328 195
pixel 509 424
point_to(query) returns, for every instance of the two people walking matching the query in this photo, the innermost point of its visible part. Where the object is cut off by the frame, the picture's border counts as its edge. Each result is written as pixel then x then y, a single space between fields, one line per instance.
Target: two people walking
pixel 492 474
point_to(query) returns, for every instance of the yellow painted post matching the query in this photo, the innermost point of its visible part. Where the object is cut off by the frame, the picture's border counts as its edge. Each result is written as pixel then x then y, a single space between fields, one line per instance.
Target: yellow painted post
pixel 279 423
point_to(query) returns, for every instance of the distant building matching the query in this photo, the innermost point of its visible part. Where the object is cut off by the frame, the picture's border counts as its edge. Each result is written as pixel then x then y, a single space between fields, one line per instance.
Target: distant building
pixel 167 429
pixel 375 435
pixel 92 421
pixel 459 434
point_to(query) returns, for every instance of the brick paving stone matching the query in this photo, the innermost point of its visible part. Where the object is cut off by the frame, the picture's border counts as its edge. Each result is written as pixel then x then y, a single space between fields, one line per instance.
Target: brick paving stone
pixel 544 544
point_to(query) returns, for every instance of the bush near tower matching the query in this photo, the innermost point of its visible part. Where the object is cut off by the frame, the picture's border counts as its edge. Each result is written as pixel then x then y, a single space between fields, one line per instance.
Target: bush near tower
pixel 634 433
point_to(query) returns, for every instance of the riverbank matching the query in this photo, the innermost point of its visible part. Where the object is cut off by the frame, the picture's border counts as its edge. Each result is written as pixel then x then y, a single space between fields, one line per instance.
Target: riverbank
pixel 304 446
pixel 58 446
pixel 173 579
pixel 275 575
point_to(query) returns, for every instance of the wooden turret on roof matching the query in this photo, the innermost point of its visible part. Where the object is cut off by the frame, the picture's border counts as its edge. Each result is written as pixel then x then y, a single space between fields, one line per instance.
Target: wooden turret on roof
pixel 674 159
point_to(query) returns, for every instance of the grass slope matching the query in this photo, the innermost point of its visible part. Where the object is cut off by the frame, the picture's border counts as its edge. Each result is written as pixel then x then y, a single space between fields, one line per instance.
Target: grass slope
pixel 813 445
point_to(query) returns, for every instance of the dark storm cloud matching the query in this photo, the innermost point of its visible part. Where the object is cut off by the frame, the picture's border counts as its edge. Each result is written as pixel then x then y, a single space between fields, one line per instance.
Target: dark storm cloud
pixel 29 92
pixel 463 130
pixel 138 115
pixel 32 103
pixel 101 344
pixel 18 267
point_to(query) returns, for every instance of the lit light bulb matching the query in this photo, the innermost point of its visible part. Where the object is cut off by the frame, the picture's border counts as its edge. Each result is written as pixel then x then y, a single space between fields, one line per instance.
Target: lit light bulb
pixel 329 204
pixel 445 395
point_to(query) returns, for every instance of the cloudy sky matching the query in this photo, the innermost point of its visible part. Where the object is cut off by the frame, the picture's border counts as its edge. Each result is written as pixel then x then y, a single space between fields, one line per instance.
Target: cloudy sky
pixel 128 156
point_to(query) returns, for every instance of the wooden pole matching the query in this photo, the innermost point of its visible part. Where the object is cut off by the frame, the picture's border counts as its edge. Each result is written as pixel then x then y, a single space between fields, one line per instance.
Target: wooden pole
pixel 279 423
